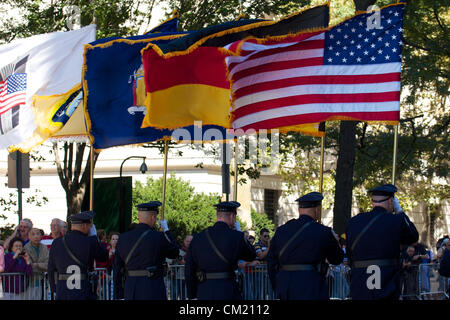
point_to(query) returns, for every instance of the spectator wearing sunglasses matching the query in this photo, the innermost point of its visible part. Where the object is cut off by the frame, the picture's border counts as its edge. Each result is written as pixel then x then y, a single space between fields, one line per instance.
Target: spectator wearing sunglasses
pixel 263 245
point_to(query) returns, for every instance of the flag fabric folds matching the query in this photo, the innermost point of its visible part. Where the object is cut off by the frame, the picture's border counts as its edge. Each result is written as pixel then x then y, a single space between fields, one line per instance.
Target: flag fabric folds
pixel 114 94
pixel 37 76
pixel 349 72
pixel 186 78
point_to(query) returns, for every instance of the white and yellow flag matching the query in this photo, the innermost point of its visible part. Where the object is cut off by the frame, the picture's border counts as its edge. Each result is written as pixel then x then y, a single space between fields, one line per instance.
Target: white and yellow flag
pixel 40 86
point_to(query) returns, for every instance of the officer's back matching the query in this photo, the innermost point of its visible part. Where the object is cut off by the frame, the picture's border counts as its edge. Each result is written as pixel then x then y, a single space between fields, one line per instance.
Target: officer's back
pixel 374 247
pixel 296 261
pixel 143 274
pixel 203 260
pixel 62 267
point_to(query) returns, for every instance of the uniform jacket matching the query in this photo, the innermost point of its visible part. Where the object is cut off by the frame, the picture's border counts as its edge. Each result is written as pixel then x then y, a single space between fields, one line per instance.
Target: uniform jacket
pixel 40 262
pixel 381 241
pixel 315 244
pixel 86 249
pixel 202 257
pixel 152 251
pixel 444 269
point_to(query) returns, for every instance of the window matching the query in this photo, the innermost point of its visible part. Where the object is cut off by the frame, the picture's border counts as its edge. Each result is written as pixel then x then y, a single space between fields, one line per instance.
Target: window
pixel 271 203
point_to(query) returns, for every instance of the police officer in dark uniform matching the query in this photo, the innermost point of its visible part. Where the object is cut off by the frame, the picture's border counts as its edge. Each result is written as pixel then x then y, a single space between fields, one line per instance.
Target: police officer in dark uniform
pixel 71 260
pixel 296 258
pixel 373 246
pixel 213 256
pixel 140 255
pixel 444 267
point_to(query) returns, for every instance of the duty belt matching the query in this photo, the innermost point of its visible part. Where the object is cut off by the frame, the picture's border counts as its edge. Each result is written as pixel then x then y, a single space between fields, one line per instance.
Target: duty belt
pixel 141 273
pixel 65 276
pixel 219 275
pixel 299 267
pixel 377 262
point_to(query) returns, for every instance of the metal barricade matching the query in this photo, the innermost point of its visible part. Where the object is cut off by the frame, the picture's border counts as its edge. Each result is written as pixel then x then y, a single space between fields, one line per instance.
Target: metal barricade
pixel 19 286
pixel 175 282
pixel 431 285
pixel 256 284
pixel 338 278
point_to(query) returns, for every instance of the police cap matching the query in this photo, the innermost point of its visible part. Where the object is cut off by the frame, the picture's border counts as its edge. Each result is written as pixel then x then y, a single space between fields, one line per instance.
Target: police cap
pixel 227 206
pixel 310 200
pixel 384 190
pixel 82 217
pixel 149 206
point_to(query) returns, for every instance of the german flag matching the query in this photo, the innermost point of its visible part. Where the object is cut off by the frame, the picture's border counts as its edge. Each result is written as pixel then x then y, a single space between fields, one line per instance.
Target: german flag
pixel 186 79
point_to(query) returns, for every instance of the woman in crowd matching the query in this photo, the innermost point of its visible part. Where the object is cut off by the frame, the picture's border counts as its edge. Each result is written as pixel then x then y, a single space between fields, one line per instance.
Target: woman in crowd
pixel 38 254
pixel 16 261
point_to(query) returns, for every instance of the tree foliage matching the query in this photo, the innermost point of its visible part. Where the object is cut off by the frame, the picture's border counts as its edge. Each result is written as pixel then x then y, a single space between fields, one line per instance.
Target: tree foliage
pixel 186 212
pixel 260 221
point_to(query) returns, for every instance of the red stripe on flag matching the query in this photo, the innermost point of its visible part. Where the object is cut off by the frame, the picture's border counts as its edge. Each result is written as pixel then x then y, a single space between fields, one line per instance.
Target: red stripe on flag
pixel 320 117
pixel 308 80
pixel 276 66
pixel 316 98
pixel 309 45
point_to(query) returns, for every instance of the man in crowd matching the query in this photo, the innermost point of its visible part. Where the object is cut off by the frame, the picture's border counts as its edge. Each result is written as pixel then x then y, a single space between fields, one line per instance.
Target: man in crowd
pixel 262 246
pixel 56 228
pixel 72 260
pixel 297 254
pixel 140 255
pixel 373 245
pixel 21 232
pixel 177 273
pixel 213 256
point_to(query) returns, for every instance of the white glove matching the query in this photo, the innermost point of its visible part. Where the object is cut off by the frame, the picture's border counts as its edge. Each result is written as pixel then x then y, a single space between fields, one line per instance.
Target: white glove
pixel 397 207
pixel 93 231
pixel 237 226
pixel 163 225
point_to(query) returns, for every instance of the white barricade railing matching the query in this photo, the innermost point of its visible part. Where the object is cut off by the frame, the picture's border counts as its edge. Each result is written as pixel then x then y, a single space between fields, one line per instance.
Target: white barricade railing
pixel 422 282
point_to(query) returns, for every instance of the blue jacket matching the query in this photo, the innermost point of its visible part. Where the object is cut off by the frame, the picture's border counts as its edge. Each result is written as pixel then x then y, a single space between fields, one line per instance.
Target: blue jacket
pixel 381 241
pixel 315 244
pixel 86 249
pixel 151 252
pixel 202 257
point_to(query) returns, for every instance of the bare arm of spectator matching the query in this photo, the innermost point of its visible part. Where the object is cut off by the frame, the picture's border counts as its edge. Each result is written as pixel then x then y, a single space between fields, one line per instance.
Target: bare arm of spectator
pixel 16 233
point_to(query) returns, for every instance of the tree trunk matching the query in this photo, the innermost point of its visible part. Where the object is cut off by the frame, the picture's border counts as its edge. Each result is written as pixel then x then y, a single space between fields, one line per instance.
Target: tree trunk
pixel 344 176
pixel 73 178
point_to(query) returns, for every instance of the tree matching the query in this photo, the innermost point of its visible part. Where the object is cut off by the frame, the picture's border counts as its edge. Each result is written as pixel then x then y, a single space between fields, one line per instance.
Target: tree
pixel 260 221
pixel 186 212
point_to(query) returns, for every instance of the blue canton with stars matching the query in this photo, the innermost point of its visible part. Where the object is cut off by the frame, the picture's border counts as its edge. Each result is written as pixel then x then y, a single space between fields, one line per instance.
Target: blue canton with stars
pixel 361 41
pixel 16 82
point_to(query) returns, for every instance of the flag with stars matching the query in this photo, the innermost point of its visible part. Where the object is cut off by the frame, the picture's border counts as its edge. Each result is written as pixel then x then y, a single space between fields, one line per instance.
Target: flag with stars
pixel 349 72
pixel 12 91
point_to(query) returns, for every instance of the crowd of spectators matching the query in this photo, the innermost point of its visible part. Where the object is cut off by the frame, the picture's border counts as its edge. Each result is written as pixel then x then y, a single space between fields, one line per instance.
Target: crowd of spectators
pixel 24 258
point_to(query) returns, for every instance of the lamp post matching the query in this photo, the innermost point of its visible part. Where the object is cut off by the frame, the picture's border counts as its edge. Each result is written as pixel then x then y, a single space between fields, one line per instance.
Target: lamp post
pixel 142 169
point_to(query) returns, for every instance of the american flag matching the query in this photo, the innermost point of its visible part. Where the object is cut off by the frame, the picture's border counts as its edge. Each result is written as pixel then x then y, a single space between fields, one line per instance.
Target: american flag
pixel 13 91
pixel 349 72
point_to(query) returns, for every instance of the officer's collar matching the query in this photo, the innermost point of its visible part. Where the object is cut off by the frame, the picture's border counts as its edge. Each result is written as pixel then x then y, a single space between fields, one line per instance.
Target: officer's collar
pixel 305 217
pixel 221 224
pixel 78 232
pixel 378 209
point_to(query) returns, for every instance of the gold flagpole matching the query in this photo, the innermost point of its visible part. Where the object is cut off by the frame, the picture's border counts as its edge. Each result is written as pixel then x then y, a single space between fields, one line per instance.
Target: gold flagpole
pixel 91 181
pixel 236 172
pixel 394 158
pixel 166 151
pixel 322 151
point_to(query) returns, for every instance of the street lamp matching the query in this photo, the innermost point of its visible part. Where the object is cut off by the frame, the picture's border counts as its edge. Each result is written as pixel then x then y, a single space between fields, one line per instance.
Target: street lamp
pixel 142 169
